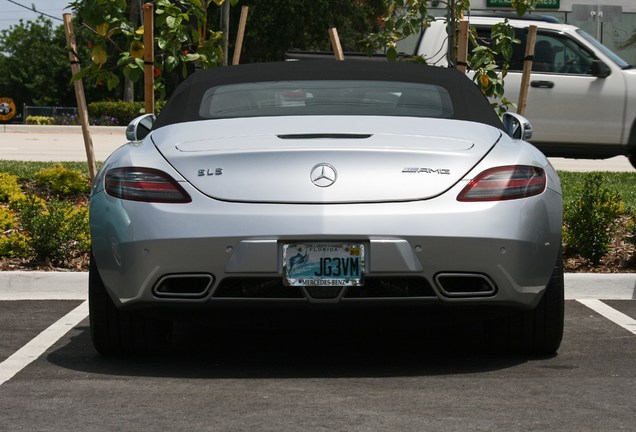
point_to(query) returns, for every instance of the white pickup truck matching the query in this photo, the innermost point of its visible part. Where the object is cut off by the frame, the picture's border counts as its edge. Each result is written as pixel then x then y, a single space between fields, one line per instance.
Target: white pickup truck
pixel 582 96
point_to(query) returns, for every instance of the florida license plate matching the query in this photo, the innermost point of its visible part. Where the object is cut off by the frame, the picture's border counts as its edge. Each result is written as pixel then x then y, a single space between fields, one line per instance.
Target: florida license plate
pixel 323 264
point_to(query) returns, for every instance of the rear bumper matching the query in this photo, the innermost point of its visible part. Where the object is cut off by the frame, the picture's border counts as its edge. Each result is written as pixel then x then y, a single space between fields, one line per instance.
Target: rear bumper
pixel 510 246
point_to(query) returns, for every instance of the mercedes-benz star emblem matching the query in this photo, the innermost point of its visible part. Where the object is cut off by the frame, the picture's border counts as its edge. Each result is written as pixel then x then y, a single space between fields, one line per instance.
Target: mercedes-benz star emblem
pixel 323 175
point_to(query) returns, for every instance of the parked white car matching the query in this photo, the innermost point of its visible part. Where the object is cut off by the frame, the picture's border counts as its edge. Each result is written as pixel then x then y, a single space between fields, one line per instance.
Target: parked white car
pixel 581 98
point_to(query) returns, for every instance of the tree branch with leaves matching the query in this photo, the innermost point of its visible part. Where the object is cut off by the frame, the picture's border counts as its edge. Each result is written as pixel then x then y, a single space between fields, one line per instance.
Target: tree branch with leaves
pixel 183 39
pixel 404 18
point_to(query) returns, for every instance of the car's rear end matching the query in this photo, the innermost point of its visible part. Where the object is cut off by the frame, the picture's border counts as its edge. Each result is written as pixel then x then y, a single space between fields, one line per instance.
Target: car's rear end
pixel 318 210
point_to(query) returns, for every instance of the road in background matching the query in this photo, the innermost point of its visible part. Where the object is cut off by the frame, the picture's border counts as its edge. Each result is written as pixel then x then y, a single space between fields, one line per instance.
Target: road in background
pixel 618 164
pixel 57 143
pixel 66 143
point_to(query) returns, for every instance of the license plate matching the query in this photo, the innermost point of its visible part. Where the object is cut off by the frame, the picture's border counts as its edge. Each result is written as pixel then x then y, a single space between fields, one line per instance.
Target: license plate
pixel 323 264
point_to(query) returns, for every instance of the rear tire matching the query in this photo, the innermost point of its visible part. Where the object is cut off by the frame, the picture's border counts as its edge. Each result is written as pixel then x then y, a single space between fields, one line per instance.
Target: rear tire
pixel 538 331
pixel 116 332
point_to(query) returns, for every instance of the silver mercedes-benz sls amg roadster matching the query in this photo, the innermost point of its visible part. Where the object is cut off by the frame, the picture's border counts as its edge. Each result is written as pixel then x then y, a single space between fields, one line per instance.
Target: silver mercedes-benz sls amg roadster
pixel 326 185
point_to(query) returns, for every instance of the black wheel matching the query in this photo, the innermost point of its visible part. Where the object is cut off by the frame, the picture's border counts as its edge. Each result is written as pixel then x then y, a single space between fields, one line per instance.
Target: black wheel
pixel 538 331
pixel 120 332
pixel 632 159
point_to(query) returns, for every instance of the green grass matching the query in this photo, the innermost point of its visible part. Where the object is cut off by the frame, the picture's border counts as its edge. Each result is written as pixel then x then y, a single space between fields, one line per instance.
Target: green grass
pixel 25 170
pixel 621 182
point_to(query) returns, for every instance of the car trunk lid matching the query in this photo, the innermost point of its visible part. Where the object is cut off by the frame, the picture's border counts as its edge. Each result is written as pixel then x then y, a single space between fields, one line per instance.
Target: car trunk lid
pixel 324 159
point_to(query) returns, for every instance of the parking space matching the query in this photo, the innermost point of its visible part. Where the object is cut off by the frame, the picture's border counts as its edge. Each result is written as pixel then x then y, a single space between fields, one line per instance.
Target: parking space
pixel 21 321
pixel 437 378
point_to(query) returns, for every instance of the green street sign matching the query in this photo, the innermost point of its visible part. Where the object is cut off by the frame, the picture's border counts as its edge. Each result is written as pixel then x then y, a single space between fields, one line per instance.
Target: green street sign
pixel 541 4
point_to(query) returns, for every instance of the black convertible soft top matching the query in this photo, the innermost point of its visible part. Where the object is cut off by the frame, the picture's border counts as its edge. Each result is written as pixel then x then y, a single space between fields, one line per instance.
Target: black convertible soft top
pixel 467 100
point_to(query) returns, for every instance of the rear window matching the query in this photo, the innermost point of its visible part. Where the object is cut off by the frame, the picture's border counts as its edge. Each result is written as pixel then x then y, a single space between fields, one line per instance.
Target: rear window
pixel 333 97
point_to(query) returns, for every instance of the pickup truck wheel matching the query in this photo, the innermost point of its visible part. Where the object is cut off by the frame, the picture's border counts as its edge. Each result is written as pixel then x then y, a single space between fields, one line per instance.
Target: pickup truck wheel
pixel 115 332
pixel 535 332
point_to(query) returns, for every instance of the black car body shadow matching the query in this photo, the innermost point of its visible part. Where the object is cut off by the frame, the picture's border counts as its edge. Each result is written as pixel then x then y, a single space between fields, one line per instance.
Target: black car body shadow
pixel 301 347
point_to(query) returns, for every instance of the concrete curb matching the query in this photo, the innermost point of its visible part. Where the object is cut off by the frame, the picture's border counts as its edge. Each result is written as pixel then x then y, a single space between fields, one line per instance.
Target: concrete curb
pixel 33 285
pixel 37 285
pixel 603 286
pixel 59 129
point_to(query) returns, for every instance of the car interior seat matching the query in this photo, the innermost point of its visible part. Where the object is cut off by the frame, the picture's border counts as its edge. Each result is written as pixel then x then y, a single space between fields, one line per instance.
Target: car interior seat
pixel 543 57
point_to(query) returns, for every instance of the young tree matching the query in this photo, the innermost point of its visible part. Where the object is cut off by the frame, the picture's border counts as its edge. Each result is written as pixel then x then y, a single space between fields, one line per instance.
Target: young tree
pixel 183 38
pixel 275 26
pixel 33 69
pixel 34 66
pixel 404 18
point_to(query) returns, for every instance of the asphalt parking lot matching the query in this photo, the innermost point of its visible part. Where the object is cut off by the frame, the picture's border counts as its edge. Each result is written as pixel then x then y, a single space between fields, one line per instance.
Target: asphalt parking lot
pixel 436 378
pixel 295 379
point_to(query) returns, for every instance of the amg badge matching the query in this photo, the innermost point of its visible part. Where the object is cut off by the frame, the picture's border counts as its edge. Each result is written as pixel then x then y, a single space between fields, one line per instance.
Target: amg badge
pixel 445 171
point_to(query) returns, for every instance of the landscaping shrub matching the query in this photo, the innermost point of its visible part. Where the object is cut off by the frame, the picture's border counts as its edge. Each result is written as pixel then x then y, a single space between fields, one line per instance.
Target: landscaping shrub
pixel 56 231
pixel 631 229
pixel 40 120
pixel 9 188
pixel 590 219
pixel 14 244
pixel 71 120
pixel 63 181
pixel 7 219
pixel 104 121
pixel 99 114
pixel 122 112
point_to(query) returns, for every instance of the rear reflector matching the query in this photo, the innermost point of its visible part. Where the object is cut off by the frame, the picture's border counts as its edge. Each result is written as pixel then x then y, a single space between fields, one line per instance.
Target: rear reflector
pixel 144 184
pixel 505 183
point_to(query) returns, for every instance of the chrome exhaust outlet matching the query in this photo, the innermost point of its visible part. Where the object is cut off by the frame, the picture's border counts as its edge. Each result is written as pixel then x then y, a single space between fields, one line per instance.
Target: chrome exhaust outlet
pixel 465 285
pixel 191 286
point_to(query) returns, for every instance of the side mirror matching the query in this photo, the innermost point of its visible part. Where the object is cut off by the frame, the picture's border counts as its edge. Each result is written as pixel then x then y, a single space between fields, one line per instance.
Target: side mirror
pixel 139 127
pixel 517 126
pixel 600 69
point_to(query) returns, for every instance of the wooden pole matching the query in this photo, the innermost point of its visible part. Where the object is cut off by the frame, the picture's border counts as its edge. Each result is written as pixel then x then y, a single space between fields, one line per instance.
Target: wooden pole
pixel 225 28
pixel 149 58
pixel 335 43
pixel 239 35
pixel 462 46
pixel 79 94
pixel 527 70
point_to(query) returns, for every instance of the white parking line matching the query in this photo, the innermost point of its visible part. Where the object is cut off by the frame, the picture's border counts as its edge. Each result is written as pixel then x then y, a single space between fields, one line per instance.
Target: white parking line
pixel 38 345
pixel 611 314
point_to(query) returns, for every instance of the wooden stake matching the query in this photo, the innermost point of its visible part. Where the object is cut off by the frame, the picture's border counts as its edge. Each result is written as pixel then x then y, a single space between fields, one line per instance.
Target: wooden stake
pixel 149 58
pixel 462 46
pixel 335 43
pixel 527 70
pixel 225 29
pixel 79 94
pixel 239 35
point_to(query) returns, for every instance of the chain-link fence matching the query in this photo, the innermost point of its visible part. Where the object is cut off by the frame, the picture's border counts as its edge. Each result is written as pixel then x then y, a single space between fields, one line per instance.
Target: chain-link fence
pixel 48 111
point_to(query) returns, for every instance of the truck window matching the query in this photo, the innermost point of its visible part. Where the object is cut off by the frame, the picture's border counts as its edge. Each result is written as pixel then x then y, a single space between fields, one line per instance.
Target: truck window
pixel 560 54
pixel 553 53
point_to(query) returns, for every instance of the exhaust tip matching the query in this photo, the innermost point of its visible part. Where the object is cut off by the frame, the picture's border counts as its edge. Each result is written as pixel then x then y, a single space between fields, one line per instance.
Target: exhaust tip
pixel 465 285
pixel 191 286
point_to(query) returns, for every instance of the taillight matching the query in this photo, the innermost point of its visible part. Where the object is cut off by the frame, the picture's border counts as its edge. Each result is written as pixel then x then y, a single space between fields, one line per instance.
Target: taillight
pixel 505 183
pixel 144 184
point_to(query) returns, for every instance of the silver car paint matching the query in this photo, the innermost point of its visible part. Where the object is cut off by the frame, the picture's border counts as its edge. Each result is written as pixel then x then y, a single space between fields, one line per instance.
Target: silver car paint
pixel 514 242
pixel 256 162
